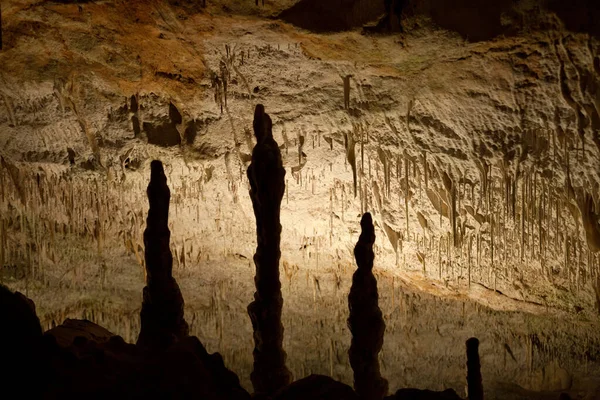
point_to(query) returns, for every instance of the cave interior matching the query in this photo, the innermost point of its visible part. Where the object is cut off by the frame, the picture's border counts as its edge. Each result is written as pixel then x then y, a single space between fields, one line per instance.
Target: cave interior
pixel 300 199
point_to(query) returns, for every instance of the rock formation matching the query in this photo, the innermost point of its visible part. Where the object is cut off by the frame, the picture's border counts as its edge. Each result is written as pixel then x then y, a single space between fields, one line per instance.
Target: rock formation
pixel 346 80
pixel 71 329
pixel 267 186
pixel 162 308
pixel 502 98
pixel 316 387
pixel 20 345
pixel 366 321
pixel 417 394
pixel 81 359
pixel 475 388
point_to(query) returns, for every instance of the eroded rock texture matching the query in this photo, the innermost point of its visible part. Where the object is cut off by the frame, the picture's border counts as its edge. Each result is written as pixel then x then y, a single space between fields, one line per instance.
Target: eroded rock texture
pixel 266 175
pixel 162 308
pixel 366 321
pixel 499 100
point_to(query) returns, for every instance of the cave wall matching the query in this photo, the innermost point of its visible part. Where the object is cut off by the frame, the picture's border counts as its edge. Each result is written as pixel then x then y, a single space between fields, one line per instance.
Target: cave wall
pixel 462 153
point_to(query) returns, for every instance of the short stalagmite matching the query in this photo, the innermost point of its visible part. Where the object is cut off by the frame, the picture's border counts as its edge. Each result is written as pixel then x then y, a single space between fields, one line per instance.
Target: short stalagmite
pixel 366 321
pixel 267 185
pixel 162 307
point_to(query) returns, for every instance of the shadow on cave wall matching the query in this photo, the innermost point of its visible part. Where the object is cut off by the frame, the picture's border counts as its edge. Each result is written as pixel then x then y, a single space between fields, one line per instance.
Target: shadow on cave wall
pixel 478 20
pixel 165 134
pixel 332 15
pixel 474 20
pixel 578 15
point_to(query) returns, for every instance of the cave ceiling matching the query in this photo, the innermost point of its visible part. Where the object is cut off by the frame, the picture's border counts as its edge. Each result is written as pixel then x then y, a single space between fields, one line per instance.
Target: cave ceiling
pixel 473 137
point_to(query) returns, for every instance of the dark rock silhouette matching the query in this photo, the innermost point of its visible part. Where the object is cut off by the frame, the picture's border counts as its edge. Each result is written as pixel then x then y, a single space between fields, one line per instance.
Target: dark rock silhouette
pixel 72 329
pixel 418 394
pixel 332 15
pixel 391 20
pixel 366 321
pixel 165 134
pixel 162 321
pixel 316 387
pixel 115 369
pixel 475 388
pixel 20 346
pixel 267 185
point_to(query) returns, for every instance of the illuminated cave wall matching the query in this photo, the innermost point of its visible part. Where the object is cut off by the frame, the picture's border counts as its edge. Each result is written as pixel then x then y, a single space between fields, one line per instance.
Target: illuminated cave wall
pixel 478 160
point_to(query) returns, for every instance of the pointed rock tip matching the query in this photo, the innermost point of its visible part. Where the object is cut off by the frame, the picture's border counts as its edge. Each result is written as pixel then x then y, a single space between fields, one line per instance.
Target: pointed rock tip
pixel 156 169
pixel 366 222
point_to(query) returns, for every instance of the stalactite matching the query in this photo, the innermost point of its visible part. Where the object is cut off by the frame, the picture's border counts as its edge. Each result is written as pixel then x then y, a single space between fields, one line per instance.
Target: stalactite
pixel 351 156
pixel 366 321
pixel 426 170
pixel 346 80
pixel 469 262
pixel 440 258
pixel 451 190
pixel 406 192
pixel 267 176
pixel 331 217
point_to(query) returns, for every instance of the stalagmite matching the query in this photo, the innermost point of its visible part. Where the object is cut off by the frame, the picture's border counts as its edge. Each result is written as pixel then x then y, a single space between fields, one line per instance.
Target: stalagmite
pixel 475 388
pixel 267 176
pixel 366 321
pixel 162 307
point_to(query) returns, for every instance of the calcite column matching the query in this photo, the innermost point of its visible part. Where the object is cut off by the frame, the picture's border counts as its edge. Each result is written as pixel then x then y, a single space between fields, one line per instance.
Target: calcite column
pixel 366 321
pixel 474 385
pixel 162 308
pixel 267 185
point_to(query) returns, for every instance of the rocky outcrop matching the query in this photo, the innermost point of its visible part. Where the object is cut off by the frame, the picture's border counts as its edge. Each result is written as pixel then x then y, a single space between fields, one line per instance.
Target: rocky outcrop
pixel 418 394
pixel 20 339
pixel 162 308
pixel 267 185
pixel 316 387
pixel 20 346
pixel 334 15
pixel 116 369
pixel 76 329
pixel 366 321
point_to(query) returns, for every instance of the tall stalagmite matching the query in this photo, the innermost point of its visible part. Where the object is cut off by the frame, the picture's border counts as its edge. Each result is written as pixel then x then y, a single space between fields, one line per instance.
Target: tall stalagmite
pixel 162 307
pixel 267 186
pixel 474 386
pixel 366 321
